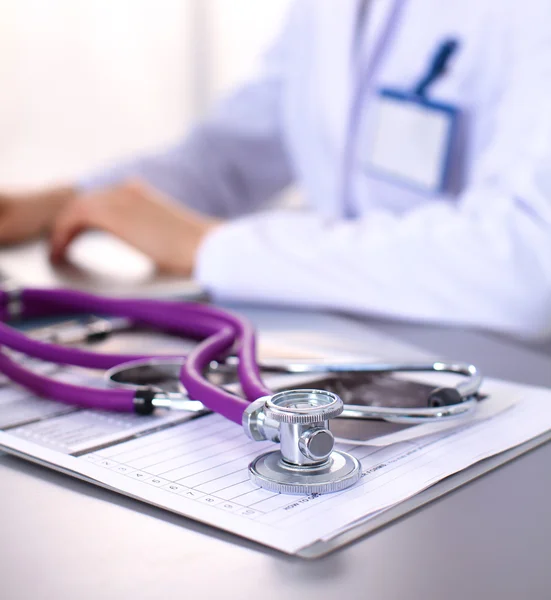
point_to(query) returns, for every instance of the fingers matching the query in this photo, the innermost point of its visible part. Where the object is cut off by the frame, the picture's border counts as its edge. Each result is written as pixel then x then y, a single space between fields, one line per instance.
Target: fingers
pixel 27 216
pixel 72 221
pixel 108 209
pixel 140 216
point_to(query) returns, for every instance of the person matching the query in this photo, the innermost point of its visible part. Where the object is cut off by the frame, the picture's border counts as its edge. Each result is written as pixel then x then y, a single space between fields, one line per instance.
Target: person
pixel 472 249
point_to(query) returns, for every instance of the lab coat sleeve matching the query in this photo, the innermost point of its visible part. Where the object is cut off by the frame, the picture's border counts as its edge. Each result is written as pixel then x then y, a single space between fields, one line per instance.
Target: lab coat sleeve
pixel 483 261
pixel 235 160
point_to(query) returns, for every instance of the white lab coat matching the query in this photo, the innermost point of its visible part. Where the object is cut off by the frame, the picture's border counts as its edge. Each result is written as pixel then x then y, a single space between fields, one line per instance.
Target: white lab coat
pixel 481 257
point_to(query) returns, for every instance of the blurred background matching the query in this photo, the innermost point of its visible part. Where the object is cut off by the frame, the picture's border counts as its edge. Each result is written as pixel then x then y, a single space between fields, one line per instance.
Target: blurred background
pixel 86 82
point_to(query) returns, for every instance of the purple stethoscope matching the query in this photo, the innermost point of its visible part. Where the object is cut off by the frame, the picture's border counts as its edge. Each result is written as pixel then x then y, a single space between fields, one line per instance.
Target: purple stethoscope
pixel 306 462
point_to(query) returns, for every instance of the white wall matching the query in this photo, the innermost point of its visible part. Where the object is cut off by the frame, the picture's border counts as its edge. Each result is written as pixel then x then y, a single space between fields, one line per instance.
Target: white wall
pixel 240 30
pixel 83 81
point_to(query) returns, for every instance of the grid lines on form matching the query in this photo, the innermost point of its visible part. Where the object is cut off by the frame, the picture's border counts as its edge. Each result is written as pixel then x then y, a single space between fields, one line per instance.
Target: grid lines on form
pixel 204 460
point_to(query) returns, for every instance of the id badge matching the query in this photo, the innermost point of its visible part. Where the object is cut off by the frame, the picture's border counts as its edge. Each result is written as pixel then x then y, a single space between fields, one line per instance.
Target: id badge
pixel 410 141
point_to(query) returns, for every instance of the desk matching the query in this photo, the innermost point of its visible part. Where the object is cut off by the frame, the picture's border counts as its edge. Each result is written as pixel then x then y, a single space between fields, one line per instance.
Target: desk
pixel 490 539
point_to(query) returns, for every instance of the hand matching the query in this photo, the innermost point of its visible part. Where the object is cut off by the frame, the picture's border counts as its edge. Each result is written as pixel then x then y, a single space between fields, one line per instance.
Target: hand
pixel 138 214
pixel 27 216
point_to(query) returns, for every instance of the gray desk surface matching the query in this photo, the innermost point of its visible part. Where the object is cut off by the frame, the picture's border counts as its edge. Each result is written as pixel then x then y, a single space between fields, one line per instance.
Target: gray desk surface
pixel 61 538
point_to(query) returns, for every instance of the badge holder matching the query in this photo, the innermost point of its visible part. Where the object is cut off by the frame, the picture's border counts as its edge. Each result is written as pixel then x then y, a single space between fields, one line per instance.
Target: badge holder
pixel 412 138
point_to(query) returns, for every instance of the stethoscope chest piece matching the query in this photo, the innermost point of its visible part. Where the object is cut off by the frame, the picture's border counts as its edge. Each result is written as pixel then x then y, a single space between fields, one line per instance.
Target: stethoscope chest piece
pixel 306 462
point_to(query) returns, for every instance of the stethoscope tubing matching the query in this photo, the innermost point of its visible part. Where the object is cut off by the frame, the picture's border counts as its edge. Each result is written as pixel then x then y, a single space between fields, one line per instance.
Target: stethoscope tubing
pixel 42 303
pixel 220 329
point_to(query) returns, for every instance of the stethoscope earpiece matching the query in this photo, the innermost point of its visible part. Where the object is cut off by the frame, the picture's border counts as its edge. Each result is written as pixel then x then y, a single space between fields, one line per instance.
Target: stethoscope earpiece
pixel 444 396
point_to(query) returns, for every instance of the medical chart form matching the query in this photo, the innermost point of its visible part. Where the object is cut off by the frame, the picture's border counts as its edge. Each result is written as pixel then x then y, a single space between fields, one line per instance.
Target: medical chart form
pixel 196 466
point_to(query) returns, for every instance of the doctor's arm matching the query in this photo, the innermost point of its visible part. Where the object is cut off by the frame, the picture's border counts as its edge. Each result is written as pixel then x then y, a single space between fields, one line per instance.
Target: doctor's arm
pixel 484 260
